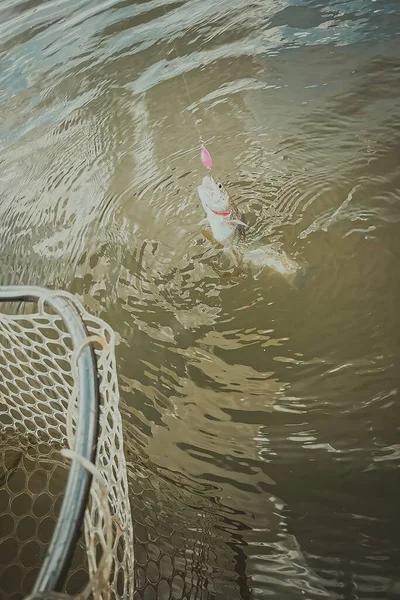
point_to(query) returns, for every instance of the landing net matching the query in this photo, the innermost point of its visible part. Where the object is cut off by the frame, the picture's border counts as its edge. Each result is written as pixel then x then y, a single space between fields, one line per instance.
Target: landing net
pixel 65 519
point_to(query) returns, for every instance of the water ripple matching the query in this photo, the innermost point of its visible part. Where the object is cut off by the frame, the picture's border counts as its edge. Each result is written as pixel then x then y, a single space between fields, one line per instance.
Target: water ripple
pixel 260 418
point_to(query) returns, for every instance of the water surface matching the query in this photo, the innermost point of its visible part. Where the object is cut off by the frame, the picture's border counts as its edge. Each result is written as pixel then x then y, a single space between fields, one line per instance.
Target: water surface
pixel 261 421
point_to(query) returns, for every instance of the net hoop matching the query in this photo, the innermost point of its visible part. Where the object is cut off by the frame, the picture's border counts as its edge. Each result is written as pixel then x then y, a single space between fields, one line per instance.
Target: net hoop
pixel 82 447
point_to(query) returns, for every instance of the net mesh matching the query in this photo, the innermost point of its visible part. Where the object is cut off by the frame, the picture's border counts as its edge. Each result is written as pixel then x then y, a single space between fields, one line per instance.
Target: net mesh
pixel 39 401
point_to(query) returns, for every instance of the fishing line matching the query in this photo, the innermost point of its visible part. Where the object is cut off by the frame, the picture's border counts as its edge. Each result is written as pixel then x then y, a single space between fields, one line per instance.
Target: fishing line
pixel 205 156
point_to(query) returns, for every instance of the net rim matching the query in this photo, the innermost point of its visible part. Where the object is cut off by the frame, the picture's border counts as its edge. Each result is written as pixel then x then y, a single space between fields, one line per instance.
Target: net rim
pixel 58 558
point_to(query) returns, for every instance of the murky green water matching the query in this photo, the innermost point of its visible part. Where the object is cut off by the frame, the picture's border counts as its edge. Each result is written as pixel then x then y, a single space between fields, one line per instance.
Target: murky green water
pixel 262 421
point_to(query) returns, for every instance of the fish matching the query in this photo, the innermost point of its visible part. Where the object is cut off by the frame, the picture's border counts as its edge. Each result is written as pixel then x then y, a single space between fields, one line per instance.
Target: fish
pixel 222 214
pixel 229 230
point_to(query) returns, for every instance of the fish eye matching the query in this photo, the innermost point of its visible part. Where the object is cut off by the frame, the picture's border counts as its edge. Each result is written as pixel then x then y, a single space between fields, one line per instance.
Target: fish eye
pixel 220 186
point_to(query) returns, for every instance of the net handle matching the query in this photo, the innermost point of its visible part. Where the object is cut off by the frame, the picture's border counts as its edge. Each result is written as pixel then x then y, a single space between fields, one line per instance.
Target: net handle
pixel 68 528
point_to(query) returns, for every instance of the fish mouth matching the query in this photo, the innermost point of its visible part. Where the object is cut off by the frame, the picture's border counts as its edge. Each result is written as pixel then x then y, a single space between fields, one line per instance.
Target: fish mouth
pixel 208 183
pixel 212 199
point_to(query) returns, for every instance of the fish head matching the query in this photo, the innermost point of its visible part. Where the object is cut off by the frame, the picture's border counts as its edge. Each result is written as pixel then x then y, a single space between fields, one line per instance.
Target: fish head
pixel 214 197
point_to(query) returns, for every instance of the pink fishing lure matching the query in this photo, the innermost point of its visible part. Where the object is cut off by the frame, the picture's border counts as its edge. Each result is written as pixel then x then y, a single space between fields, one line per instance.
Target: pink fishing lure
pixel 205 158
